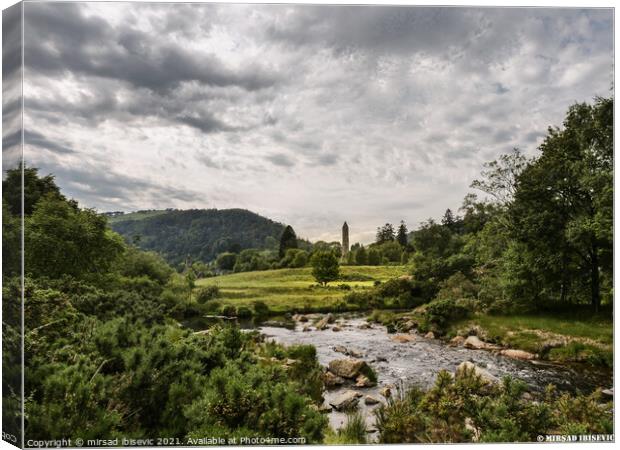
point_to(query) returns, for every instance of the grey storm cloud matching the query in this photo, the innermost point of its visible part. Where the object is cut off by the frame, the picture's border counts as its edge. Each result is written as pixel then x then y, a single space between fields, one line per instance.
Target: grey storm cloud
pixel 309 114
pixel 62 38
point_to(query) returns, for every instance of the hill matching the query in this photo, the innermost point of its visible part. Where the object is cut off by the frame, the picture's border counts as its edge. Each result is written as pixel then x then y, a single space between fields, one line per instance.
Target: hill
pixel 199 233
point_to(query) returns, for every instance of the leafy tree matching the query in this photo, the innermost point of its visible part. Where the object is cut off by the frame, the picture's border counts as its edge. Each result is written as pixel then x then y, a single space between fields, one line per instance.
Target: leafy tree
pixel 562 211
pixel 190 281
pixel 448 219
pixel 500 177
pixel 294 257
pixel 287 240
pixel 249 260
pixel 390 250
pixel 62 239
pixel 325 267
pixel 226 261
pixel 401 235
pixel 34 188
pixel 361 256
pixel 385 233
pixel 11 242
pixel 374 257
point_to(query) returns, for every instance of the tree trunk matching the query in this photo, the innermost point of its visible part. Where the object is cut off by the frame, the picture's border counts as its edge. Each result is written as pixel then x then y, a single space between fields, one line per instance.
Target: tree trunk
pixel 594 278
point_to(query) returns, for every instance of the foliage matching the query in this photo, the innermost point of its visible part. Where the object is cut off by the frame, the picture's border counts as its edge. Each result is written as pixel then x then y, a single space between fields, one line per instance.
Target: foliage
pixel 464 408
pixel 385 233
pixel 353 432
pixel 401 234
pixel 226 261
pixel 201 234
pixel 288 240
pixel 62 239
pixel 325 267
pixel 294 258
pixel 207 293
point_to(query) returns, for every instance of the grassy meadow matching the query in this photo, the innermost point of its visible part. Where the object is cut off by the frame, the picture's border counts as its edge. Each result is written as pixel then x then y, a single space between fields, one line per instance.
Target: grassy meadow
pixel 287 290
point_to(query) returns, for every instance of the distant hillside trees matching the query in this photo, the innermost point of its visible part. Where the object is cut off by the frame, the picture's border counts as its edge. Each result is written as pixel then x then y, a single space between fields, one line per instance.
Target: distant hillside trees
pixel 287 240
pixel 226 261
pixel 201 234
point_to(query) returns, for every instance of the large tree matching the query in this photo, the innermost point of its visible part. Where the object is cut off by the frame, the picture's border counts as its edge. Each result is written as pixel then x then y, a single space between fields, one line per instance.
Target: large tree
pixel 325 267
pixel 563 205
pixel 287 240
pixel 401 235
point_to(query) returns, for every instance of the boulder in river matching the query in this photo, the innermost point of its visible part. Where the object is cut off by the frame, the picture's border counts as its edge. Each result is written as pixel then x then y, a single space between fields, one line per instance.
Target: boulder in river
pixel 473 342
pixel 331 381
pixel 348 368
pixel 364 382
pixel 456 341
pixel 430 335
pixel 518 354
pixel 321 324
pixel 346 400
pixel 386 392
pixel 403 338
pixel 370 400
pixel 484 375
pixel 336 328
pixel 306 329
pixel 364 326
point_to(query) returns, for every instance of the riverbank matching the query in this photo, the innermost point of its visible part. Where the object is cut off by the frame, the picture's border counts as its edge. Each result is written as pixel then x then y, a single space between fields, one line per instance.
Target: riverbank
pixel 554 337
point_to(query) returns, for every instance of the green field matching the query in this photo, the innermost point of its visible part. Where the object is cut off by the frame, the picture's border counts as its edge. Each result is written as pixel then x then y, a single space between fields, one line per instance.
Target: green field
pixel 289 290
pixel 139 215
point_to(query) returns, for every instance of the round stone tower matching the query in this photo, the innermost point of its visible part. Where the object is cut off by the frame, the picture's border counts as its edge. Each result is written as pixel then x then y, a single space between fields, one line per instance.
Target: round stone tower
pixel 345 240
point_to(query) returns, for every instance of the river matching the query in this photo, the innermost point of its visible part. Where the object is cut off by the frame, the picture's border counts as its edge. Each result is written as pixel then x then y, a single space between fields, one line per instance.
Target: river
pixel 419 361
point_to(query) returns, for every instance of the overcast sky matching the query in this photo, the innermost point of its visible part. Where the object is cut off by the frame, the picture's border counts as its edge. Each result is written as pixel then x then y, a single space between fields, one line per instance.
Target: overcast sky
pixel 309 115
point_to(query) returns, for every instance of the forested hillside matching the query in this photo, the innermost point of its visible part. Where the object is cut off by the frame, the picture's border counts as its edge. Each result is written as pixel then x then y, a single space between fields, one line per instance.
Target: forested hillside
pixel 201 234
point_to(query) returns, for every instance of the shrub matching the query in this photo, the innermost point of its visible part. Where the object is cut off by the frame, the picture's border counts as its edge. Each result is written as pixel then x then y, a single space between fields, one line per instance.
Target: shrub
pixel 228 311
pixel 207 293
pixel 440 313
pixel 244 312
pixel 260 309
pixel 354 432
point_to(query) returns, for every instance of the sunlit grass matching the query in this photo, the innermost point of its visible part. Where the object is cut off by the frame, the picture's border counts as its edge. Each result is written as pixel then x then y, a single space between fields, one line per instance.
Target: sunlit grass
pixel 287 290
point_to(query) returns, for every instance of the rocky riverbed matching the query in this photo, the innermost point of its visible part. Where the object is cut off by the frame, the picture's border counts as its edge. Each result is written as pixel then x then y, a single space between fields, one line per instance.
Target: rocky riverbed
pixel 402 360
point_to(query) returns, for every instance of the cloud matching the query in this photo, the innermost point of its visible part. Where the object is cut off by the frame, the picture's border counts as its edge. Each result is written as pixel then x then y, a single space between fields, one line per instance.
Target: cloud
pixel 63 39
pixel 280 159
pixel 309 114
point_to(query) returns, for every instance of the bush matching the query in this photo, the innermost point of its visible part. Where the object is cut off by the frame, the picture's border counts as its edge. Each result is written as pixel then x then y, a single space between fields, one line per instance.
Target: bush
pixel 354 432
pixel 207 293
pixel 463 408
pixel 439 314
pixel 229 311
pixel 244 312
pixel 261 309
